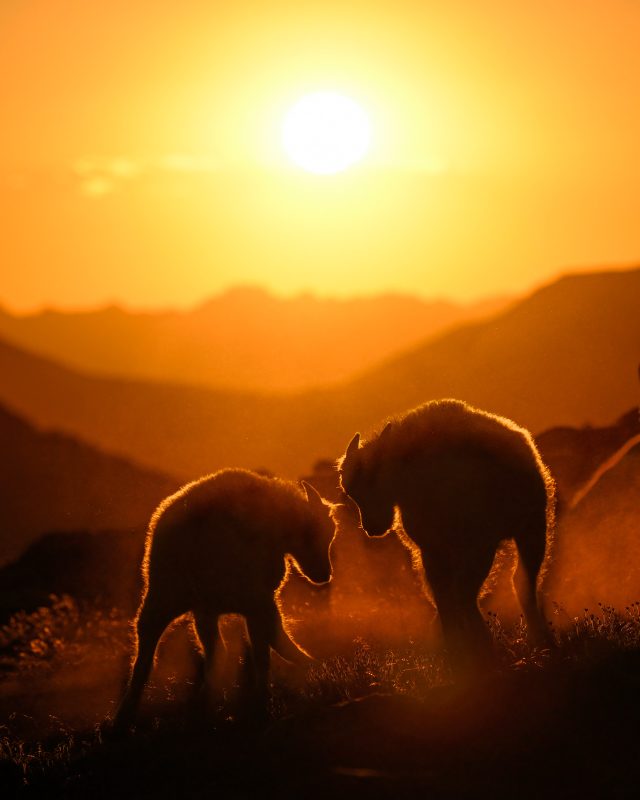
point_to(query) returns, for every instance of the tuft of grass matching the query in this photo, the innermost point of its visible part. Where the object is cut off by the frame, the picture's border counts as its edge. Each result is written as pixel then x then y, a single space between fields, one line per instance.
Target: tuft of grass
pixel 597 634
pixel 372 669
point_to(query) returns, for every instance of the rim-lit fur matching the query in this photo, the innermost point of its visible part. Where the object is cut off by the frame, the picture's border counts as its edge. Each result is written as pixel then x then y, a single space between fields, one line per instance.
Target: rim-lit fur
pixel 463 480
pixel 218 546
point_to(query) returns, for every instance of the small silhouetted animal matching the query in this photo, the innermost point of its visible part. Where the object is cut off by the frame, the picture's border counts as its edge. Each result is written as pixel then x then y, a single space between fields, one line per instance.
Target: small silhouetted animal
pixel 216 547
pixel 463 480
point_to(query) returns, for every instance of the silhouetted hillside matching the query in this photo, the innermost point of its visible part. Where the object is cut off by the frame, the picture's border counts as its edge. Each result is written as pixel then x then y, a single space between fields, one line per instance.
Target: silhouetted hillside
pixel 567 355
pixel 100 567
pixel 574 454
pixel 245 339
pixel 598 540
pixel 49 481
pixel 184 430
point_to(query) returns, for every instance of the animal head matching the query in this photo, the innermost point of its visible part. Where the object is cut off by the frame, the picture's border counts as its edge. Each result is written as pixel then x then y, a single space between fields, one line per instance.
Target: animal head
pixel 360 479
pixel 313 550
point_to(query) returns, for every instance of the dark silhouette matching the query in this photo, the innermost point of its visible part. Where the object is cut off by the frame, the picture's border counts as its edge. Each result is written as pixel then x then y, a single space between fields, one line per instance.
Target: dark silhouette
pixel 97 568
pixel 463 481
pixel 217 547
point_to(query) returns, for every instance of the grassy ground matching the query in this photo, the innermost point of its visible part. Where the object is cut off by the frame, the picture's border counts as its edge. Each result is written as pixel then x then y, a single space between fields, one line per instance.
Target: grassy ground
pixel 372 722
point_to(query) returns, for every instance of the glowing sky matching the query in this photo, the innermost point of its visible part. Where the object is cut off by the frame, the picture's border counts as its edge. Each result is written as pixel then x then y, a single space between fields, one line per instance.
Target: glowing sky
pixel 140 156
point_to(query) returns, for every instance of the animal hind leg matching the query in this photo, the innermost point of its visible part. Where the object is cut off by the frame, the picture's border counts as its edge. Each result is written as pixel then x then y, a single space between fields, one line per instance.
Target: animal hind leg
pixel 150 625
pixel 206 626
pixel 531 544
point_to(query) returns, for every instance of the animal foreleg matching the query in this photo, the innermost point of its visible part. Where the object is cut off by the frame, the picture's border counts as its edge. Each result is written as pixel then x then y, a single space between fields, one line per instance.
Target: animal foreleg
pixel 455 586
pixel 150 625
pixel 262 628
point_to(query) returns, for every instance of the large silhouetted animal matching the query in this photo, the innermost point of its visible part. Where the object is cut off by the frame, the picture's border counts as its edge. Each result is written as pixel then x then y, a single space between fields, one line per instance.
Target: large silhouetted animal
pixel 218 546
pixel 463 481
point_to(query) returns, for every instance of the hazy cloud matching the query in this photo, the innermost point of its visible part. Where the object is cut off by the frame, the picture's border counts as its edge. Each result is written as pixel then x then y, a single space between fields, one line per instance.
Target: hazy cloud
pixel 117 168
pixel 96 186
pixel 100 175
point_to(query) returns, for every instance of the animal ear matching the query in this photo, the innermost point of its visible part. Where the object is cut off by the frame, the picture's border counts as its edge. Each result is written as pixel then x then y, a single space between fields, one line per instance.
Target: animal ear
pixel 386 430
pixel 354 445
pixel 313 496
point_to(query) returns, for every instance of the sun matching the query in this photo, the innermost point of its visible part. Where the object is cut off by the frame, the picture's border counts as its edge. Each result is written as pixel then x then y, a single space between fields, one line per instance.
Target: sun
pixel 326 132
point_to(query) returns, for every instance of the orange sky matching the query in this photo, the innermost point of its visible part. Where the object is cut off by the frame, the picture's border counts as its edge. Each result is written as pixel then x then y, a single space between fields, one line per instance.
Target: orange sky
pixel 140 158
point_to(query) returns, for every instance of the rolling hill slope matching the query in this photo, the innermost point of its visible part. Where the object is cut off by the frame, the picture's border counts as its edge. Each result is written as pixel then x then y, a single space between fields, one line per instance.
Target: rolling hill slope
pixel 567 355
pixel 598 540
pixel 50 482
pixel 574 454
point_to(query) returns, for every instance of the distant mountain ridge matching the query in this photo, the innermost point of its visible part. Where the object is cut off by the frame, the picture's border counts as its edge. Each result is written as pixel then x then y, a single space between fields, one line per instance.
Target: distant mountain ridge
pixel 245 339
pixel 566 355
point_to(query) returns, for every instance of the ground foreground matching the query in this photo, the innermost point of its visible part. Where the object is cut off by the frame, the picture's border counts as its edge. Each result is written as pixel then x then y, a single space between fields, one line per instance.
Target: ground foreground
pixel 370 723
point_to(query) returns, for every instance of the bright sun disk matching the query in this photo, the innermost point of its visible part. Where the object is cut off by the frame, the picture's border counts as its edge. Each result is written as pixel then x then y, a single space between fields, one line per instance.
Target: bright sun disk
pixel 325 132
